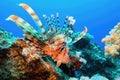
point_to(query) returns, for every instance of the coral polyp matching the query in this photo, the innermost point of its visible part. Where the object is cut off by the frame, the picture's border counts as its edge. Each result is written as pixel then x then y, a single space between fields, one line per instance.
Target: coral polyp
pixel 53 42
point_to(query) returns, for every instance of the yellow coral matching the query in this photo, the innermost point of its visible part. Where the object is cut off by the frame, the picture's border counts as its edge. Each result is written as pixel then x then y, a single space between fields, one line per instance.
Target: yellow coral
pixel 112 41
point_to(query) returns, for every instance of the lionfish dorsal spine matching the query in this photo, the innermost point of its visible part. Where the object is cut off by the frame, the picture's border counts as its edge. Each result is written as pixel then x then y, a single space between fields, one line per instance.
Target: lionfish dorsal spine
pixel 58 21
pixel 65 22
pixel 47 19
pixel 81 35
pixel 53 20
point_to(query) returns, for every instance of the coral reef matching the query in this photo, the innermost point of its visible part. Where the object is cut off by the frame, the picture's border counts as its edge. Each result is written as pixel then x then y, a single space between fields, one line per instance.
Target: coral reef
pixel 55 52
pixel 28 58
pixel 6 39
pixel 14 66
pixel 112 42
pixel 94 77
pixel 112 49
pixel 91 61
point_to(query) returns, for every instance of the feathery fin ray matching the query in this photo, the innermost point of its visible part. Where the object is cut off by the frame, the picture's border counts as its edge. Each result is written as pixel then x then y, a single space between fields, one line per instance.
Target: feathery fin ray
pixel 27 28
pixel 34 16
pixel 82 34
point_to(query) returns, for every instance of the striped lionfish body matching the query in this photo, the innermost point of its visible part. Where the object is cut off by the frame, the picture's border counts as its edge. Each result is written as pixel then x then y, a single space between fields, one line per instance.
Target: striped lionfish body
pixel 53 42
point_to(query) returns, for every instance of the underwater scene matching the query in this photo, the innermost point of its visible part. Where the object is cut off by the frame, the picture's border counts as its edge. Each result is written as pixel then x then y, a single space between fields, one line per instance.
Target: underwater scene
pixel 60 40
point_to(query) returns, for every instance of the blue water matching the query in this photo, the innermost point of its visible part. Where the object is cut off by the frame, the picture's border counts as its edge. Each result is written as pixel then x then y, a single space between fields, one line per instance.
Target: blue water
pixel 98 15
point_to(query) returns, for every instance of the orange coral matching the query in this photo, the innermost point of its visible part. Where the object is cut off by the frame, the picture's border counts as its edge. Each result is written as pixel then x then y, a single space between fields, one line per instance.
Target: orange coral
pixel 112 41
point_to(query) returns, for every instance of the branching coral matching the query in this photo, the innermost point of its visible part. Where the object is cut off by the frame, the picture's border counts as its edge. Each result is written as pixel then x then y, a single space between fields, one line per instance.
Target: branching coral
pixel 112 42
pixel 53 42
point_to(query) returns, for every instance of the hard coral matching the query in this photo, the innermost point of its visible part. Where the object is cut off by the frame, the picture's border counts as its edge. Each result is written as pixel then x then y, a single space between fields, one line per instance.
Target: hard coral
pixel 112 42
pixel 6 39
pixel 16 66
pixel 53 42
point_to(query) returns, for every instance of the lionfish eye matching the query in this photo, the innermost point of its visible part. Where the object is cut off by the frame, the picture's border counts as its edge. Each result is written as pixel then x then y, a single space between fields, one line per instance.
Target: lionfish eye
pixel 62 48
pixel 64 43
pixel 51 41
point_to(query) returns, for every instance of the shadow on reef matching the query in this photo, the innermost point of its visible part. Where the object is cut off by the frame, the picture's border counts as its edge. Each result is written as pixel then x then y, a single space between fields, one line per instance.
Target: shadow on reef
pixel 96 62
pixel 83 43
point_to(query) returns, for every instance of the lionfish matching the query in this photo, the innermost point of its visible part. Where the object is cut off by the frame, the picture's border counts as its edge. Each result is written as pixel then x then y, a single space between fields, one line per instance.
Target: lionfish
pixel 52 41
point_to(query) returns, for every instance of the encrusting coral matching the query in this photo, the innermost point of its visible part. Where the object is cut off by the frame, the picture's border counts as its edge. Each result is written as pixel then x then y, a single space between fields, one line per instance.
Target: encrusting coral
pixel 112 42
pixel 52 42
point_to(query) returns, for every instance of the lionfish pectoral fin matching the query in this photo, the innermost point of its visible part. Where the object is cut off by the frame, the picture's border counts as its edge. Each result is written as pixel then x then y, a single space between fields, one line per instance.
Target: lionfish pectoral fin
pixel 58 63
pixel 27 28
pixel 34 16
pixel 82 34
